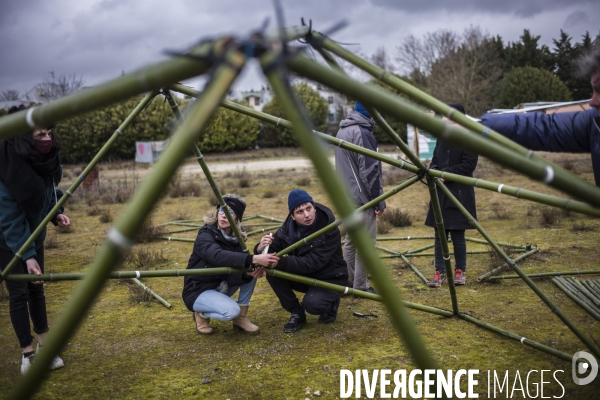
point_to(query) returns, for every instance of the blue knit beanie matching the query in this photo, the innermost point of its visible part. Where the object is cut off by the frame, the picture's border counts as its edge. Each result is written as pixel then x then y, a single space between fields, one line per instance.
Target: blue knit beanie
pixel 360 109
pixel 298 197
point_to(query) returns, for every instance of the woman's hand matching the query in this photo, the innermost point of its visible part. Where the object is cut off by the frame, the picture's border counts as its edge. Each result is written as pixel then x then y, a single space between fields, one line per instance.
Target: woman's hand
pixel 257 273
pixel 33 268
pixel 62 220
pixel 264 242
pixel 265 260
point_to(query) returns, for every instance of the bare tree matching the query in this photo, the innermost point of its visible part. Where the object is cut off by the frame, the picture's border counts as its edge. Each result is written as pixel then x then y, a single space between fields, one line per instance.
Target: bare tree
pixel 54 87
pixel 382 60
pixel 9 95
pixel 419 55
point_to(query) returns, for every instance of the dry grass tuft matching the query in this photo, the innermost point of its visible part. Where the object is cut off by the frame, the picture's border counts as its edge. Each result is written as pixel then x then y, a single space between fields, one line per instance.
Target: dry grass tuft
pixel 212 199
pixel 500 211
pixel 189 188
pixel 396 217
pixel 94 210
pixel 583 227
pixel 51 241
pixel 148 232
pixel 269 194
pixel 383 227
pixel 105 216
pixel 550 217
pixel 303 181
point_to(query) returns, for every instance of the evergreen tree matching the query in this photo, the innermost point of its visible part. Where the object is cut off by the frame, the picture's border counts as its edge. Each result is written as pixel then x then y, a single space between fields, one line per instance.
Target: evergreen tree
pixel 526 53
pixel 580 86
pixel 527 84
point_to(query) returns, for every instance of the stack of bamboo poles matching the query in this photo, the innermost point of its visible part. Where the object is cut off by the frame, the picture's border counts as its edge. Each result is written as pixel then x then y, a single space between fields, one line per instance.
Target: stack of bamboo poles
pixel 586 293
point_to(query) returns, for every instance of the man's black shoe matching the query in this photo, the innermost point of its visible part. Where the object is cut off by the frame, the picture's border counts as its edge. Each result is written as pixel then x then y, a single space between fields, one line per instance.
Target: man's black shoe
pixel 296 322
pixel 330 315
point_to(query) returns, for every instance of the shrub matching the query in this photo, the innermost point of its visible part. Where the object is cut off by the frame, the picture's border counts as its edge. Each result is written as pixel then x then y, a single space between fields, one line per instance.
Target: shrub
pixel 583 227
pixel 94 210
pixel 304 181
pixel 500 211
pixel 51 241
pixel 105 216
pixel 148 231
pixel 396 217
pixel 383 227
pixel 182 189
pixel 550 216
pixel 269 194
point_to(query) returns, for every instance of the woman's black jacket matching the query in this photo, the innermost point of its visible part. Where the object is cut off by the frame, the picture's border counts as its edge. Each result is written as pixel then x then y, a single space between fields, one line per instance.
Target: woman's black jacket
pixel 321 258
pixel 211 250
pixel 450 159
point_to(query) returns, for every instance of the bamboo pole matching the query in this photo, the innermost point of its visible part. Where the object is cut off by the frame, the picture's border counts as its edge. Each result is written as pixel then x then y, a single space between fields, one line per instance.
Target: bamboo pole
pixel 234 227
pixel 520 193
pixel 181 231
pixel 439 223
pixel 516 260
pixel 403 257
pixel 317 40
pixel 271 218
pixel 339 195
pixel 522 339
pixel 176 239
pixel 453 135
pixel 101 153
pixel 273 227
pixel 120 237
pixel 520 272
pixel 152 293
pixel 560 284
pixel 545 274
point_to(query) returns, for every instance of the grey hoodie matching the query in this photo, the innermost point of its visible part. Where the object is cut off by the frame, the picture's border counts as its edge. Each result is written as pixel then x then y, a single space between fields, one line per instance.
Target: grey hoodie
pixel 362 174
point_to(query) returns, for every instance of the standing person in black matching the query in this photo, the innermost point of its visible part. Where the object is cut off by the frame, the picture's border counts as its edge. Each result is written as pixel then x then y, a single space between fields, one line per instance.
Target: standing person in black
pixel 30 170
pixel 209 296
pixel 450 159
pixel 321 259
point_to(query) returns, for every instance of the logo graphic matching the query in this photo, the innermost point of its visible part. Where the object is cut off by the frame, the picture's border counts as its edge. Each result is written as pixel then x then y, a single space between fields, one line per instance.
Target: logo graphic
pixel 589 364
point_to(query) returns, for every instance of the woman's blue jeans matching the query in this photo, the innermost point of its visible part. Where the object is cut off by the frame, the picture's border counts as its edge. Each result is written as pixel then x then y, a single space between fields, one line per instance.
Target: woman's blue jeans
pixel 221 306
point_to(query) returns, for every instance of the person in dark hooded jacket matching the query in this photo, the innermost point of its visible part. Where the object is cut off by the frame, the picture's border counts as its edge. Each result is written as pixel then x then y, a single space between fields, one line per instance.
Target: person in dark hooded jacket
pixel 208 296
pixel 320 258
pixel 30 170
pixel 451 159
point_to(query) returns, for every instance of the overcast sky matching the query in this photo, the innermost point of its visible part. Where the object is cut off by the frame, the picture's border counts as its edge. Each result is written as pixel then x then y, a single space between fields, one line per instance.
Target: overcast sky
pixel 98 39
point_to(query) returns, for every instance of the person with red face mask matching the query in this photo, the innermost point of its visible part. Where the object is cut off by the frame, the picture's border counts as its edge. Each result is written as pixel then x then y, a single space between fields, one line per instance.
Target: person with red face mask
pixel 30 170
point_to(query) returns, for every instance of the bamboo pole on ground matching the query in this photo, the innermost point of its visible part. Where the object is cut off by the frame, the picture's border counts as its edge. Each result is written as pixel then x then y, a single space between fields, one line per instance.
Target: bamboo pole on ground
pixel 403 257
pixel 559 282
pixel 339 195
pixel 453 135
pixel 101 153
pixel 521 339
pixel 151 293
pixel 234 227
pixel 584 339
pixel 546 274
pixel 516 260
pixel 120 237
pixel 318 40
pixel 520 193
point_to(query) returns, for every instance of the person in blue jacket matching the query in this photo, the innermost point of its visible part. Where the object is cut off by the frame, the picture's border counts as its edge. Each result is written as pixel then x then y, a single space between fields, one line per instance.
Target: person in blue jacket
pixel 30 170
pixel 572 132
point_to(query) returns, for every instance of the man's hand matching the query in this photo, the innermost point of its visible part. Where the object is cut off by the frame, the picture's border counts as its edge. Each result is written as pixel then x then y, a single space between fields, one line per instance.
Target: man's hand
pixel 257 273
pixel 62 220
pixel 33 268
pixel 264 242
pixel 265 260
pixel 378 212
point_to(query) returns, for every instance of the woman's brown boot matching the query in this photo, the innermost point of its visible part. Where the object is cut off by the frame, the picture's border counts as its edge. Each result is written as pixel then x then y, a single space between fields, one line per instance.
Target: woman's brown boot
pixel 202 324
pixel 242 323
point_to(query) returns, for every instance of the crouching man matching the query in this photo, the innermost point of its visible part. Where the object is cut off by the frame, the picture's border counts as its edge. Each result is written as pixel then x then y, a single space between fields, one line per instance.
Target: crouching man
pixel 320 258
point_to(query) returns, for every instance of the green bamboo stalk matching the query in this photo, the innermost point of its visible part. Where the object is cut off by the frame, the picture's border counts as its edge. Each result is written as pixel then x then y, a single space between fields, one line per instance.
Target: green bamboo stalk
pixel 420 249
pixel 452 253
pixel 438 106
pixel 176 239
pixel 350 291
pixel 522 339
pixel 439 223
pixel 111 141
pixel 271 218
pixel 520 272
pixel 545 274
pixel 273 227
pixel 340 197
pixel 593 293
pixel 120 237
pixel 181 231
pixel 577 293
pixel 182 224
pixel 520 193
pixel 262 224
pixel 503 244
pixel 516 260
pixel 453 135
pixel 383 239
pixel 152 293
pixel 560 284
pixel 402 256
pixel 584 291
pixel 208 175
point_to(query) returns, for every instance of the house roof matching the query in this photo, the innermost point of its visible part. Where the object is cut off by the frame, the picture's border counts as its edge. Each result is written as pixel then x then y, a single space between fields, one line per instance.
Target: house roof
pixel 537 106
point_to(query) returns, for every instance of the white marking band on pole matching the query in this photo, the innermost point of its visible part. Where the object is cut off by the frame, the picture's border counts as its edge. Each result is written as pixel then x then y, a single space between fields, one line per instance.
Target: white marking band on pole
pixel 447 258
pixel 137 274
pixel 522 339
pixel 29 118
pixel 450 112
pixel 486 132
pixel 118 239
pixel 19 255
pixel 352 220
pixel 119 131
pixel 549 174
pixel 408 238
pixel 529 154
pixel 500 188
pixel 278 121
pixel 346 290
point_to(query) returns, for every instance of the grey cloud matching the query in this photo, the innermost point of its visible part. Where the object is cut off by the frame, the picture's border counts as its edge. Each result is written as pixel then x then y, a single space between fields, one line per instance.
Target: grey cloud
pixel 575 18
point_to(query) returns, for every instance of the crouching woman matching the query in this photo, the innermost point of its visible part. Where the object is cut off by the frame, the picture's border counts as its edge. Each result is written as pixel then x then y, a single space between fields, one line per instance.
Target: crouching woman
pixel 209 296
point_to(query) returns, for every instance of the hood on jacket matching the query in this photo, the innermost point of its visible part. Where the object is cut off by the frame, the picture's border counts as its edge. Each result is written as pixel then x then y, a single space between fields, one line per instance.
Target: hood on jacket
pixel 356 118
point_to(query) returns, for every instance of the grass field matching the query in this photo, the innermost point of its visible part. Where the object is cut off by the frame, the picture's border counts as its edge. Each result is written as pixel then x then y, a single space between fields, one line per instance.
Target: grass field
pixel 129 347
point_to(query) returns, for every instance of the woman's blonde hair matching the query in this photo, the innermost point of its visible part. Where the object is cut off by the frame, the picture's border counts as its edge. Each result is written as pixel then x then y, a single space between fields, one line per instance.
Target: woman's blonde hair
pixel 211 217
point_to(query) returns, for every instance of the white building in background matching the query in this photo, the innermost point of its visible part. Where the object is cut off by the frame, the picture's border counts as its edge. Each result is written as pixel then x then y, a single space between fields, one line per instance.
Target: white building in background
pixel 336 103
